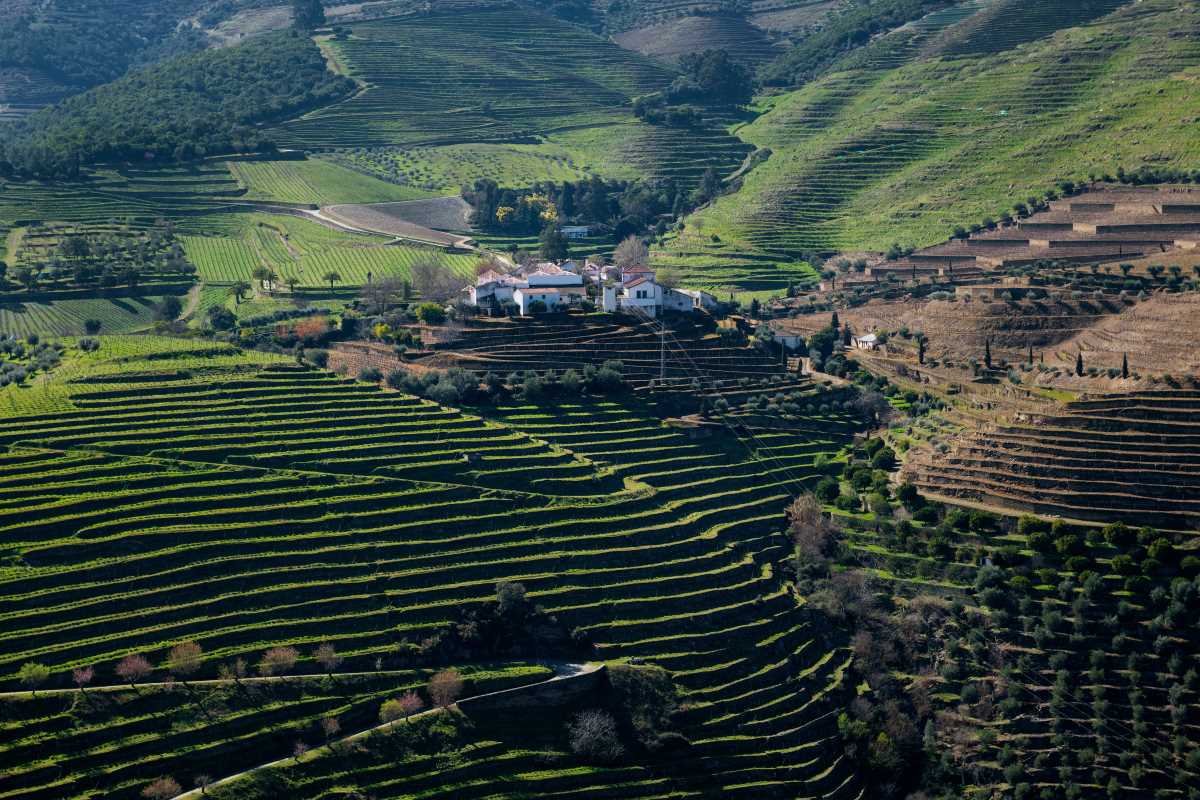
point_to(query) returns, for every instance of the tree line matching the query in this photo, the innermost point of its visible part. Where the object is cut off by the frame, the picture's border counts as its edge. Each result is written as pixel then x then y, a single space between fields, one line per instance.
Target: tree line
pixel 182 109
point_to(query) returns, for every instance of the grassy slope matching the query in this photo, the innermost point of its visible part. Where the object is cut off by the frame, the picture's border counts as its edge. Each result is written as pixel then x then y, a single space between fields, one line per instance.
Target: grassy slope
pixel 902 148
pixel 498 77
pixel 316 181
pixel 297 247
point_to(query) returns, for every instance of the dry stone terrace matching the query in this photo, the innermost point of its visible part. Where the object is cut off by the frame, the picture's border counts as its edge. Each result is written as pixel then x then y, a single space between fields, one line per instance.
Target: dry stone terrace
pixel 571 341
pixel 254 506
pixel 1132 457
pixel 1095 227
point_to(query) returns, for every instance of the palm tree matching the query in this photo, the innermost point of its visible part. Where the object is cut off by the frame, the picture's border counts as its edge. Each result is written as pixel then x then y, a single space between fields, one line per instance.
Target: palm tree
pixel 272 279
pixel 332 277
pixel 292 282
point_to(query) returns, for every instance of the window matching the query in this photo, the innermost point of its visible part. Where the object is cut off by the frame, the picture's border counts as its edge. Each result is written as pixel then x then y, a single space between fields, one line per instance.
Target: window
pixel 641 294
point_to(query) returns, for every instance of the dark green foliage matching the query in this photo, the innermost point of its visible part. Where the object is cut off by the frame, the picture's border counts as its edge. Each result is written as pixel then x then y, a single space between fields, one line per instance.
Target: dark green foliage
pixel 221 318
pixel 509 626
pixel 553 243
pixel 627 207
pixel 181 109
pixel 102 260
pixel 644 699
pixel 307 14
pixel 843 33
pixel 82 43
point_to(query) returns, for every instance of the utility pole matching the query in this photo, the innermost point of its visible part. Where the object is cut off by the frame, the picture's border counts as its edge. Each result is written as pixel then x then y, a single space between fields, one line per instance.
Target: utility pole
pixel 662 352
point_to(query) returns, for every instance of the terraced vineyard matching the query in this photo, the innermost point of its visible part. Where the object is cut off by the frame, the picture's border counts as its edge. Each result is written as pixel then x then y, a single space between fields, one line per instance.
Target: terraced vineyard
pixel 1128 457
pixel 126 192
pixel 315 181
pixel 67 317
pixel 909 137
pixel 243 503
pixel 307 251
pixel 512 77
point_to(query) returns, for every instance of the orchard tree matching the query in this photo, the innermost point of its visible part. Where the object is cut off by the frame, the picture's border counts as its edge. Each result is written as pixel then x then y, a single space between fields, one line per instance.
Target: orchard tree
pixel 631 252
pixel 278 661
pixel 162 789
pixel 593 737
pixel 185 659
pixel 133 668
pixel 445 688
pixel 82 676
pixel 33 675
pixel 327 657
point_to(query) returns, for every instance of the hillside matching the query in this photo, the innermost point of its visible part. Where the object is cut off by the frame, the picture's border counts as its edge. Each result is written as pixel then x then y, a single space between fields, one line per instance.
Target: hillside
pixel 901 146
pixel 186 107
pixel 55 48
pixel 238 512
pixel 439 86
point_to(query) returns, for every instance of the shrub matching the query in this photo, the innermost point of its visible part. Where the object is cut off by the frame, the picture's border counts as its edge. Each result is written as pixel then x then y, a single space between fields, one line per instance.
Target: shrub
pixel 827 490
pixel 162 789
pixel 431 313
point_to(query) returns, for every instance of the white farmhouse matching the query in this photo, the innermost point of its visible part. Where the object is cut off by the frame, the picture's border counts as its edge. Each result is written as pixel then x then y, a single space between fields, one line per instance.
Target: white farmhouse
pixel 493 288
pixel 524 297
pixel 645 295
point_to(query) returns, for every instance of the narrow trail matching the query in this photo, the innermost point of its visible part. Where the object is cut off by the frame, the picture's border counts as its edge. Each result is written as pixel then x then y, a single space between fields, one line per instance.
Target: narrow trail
pixel 193 300
pixel 562 671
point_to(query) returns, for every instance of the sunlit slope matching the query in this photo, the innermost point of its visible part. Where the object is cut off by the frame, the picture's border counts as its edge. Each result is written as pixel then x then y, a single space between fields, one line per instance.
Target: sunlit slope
pixel 492 76
pixel 903 147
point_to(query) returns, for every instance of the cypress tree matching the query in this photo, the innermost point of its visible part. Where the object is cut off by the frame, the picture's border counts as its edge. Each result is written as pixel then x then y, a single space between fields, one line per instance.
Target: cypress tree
pixel 834 322
pixel 1079 363
pixel 1125 365
pixel 987 353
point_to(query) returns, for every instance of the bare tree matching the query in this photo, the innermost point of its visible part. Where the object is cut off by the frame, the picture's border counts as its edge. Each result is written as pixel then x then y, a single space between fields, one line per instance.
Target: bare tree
pixel 162 789
pixel 327 657
pixel 202 782
pixel 133 668
pixel 593 736
pixel 380 295
pixel 278 661
pixel 330 727
pixel 185 659
pixel 874 407
pixel 445 688
pixel 631 252
pixel 811 531
pixel 433 280
pixel 298 751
